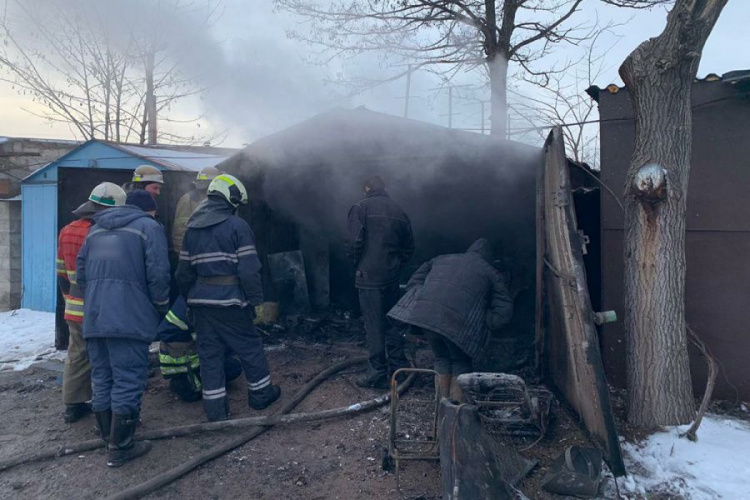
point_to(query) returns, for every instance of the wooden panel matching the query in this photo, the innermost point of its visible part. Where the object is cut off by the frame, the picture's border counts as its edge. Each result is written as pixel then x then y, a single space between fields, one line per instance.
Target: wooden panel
pixel 570 354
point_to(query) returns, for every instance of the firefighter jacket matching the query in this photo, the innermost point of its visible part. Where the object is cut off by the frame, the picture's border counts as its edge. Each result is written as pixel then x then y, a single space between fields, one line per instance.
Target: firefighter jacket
pixel 185 207
pixel 69 244
pixel 178 354
pixel 380 240
pixel 459 296
pixel 123 271
pixel 219 264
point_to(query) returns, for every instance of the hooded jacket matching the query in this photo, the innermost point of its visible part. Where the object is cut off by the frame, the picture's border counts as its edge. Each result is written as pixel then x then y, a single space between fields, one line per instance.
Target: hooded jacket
pixel 219 264
pixel 380 240
pixel 459 296
pixel 123 272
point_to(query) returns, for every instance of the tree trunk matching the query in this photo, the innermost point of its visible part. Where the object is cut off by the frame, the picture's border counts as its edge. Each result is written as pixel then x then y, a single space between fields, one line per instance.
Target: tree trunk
pixel 498 70
pixel 659 76
pixel 150 99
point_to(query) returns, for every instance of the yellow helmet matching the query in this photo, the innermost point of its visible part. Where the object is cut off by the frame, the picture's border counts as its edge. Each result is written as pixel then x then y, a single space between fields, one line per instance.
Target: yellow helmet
pixel 230 188
pixel 205 176
pixel 108 194
pixel 147 173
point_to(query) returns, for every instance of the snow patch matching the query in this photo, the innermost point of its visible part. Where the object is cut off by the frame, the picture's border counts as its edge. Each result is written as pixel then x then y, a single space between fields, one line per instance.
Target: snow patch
pixel 716 466
pixel 26 336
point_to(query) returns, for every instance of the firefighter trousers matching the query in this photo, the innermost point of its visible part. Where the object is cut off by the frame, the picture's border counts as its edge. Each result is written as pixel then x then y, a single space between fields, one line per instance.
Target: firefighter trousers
pixel 77 372
pixel 219 329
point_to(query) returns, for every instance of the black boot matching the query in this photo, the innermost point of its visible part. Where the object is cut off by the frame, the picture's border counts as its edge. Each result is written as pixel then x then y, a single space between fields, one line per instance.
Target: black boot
pixel 185 388
pixel 263 398
pixel 104 425
pixel 122 446
pixel 75 412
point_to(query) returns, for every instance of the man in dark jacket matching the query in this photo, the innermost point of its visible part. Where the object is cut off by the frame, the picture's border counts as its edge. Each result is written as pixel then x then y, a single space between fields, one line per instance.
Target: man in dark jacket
pixel 219 274
pixel 123 271
pixel 381 241
pixel 457 300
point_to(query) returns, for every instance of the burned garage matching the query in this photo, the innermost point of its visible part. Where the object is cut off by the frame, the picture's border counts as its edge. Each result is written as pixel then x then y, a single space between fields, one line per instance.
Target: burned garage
pixel 455 186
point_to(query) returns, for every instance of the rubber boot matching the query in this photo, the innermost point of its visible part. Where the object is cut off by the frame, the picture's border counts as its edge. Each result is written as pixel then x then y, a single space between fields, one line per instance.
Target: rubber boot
pixel 442 386
pixel 75 412
pixel 122 446
pixel 104 425
pixel 263 398
pixel 455 390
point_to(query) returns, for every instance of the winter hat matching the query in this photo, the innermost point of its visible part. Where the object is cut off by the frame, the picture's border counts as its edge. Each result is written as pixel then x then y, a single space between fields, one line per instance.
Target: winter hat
pixel 142 199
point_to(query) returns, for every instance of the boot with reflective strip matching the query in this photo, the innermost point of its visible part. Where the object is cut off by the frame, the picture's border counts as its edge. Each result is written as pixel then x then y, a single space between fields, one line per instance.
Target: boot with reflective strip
pixel 216 404
pixel 260 399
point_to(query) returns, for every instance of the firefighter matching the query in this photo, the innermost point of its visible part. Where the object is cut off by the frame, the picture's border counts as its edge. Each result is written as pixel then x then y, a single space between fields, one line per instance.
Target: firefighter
pixel 381 241
pixel 147 178
pixel 178 354
pixel 189 202
pixel 123 272
pixel 76 390
pixel 219 274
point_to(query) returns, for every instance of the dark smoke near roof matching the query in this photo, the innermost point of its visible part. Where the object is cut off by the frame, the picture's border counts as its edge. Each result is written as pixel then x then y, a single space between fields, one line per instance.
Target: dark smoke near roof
pixel 455 186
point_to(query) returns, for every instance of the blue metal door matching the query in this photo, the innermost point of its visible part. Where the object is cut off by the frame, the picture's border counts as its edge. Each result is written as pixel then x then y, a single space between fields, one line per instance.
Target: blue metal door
pixel 39 241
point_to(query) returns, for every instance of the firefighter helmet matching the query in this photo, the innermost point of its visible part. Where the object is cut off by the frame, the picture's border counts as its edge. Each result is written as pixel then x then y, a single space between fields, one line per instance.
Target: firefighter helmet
pixel 230 188
pixel 108 194
pixel 205 176
pixel 147 173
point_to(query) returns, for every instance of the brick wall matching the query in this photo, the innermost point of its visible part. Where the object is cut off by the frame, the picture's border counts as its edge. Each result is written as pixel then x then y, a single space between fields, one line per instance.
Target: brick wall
pixel 10 255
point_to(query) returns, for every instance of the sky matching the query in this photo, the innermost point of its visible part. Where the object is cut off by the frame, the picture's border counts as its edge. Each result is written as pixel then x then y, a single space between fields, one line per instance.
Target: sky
pixel 260 80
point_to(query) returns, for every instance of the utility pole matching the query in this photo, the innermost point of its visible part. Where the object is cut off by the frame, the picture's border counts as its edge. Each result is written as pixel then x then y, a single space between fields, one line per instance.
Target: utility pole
pixel 408 93
pixel 150 98
pixel 482 103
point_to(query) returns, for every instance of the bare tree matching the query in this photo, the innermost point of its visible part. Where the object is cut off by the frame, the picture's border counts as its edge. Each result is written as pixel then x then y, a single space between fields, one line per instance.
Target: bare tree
pixel 447 36
pixel 659 75
pixel 562 101
pixel 98 79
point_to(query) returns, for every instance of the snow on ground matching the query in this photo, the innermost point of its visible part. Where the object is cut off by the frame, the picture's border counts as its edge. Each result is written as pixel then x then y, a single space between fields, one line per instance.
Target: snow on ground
pixel 25 337
pixel 716 466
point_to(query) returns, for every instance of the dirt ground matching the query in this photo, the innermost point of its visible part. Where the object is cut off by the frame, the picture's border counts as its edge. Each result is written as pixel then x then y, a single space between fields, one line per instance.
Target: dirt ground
pixel 334 459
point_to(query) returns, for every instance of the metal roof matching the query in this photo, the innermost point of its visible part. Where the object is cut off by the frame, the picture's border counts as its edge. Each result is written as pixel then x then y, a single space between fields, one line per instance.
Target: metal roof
pixel 173 159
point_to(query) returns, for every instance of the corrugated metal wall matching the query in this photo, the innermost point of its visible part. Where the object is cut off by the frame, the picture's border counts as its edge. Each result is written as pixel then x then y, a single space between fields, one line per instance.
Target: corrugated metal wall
pixel 39 242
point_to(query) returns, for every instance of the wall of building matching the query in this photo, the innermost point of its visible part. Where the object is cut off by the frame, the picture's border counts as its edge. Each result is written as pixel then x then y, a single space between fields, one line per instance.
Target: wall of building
pixel 718 231
pixel 10 254
pixel 19 157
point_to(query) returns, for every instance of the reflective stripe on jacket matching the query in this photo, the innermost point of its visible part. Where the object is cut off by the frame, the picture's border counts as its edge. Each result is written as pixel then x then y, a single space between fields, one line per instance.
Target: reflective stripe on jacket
pixel 226 248
pixel 69 245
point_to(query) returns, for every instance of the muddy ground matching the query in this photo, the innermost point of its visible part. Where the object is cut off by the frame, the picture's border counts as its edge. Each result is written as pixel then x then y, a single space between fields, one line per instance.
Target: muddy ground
pixel 335 459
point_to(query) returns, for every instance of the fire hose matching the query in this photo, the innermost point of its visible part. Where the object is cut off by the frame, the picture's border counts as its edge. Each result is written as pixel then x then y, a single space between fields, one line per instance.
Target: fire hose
pixel 256 425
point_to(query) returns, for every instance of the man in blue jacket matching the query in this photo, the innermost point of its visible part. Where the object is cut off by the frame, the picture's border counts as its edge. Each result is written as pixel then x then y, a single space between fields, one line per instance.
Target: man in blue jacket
pixel 219 274
pixel 123 271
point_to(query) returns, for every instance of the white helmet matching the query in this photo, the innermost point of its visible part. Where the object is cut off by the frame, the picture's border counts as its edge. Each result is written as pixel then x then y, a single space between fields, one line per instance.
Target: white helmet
pixel 108 194
pixel 230 188
pixel 147 173
pixel 205 176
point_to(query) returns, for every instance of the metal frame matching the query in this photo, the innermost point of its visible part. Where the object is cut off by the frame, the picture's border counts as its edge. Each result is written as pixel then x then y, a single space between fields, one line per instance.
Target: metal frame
pixel 432 451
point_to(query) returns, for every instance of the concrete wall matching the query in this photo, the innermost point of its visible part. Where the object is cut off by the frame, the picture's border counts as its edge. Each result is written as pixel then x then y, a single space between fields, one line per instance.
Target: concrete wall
pixel 20 157
pixel 10 254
